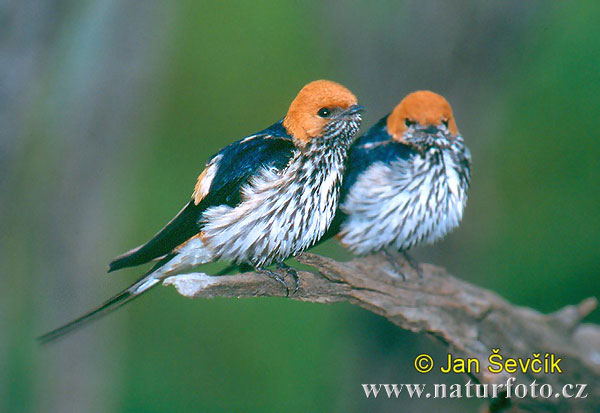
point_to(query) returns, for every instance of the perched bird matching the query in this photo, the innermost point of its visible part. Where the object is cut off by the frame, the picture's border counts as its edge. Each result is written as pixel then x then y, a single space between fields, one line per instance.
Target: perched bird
pixel 259 200
pixel 407 180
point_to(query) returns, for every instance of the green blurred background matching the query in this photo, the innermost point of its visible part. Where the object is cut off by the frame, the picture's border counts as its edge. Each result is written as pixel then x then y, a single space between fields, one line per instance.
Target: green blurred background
pixel 109 110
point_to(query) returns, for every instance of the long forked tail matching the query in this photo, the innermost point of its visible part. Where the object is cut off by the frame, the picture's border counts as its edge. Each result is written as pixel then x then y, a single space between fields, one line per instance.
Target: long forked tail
pixel 143 284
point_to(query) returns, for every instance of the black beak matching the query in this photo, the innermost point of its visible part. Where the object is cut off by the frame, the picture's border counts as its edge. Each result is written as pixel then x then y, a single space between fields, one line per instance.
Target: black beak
pixel 430 130
pixel 353 110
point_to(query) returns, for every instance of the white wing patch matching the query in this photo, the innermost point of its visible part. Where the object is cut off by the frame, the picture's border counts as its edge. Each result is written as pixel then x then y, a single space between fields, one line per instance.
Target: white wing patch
pixel 205 180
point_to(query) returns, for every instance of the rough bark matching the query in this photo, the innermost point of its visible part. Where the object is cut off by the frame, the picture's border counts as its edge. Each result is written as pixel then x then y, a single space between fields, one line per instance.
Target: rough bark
pixel 470 320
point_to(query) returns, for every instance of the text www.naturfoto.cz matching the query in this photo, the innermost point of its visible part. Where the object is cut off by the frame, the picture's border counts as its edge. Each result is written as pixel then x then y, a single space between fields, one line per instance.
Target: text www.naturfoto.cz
pixel 476 390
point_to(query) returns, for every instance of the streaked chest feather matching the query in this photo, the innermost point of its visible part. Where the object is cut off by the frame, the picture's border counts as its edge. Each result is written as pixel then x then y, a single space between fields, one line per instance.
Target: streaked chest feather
pixel 281 213
pixel 407 201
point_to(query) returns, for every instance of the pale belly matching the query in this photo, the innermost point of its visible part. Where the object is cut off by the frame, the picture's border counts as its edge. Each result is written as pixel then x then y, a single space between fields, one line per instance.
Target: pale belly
pixel 279 217
pixel 403 204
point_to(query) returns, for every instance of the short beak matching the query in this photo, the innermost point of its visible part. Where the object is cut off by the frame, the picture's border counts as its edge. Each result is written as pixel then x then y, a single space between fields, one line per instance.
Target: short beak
pixel 430 130
pixel 353 110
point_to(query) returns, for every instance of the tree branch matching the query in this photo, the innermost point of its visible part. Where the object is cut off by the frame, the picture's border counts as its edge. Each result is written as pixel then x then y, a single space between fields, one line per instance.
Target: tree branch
pixel 470 320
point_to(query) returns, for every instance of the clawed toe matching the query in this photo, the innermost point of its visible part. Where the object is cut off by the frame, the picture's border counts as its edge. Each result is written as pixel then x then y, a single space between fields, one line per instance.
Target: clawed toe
pixel 275 276
pixel 280 278
pixel 413 263
pixel 291 272
pixel 398 268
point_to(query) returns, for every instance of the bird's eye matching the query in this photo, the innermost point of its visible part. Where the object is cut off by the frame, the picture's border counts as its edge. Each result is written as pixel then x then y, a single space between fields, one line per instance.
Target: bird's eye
pixel 409 122
pixel 324 112
pixel 445 122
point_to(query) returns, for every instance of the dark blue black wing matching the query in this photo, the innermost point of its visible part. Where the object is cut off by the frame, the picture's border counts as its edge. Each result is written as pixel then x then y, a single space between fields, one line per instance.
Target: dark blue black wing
pixel 220 184
pixel 374 146
pixel 241 160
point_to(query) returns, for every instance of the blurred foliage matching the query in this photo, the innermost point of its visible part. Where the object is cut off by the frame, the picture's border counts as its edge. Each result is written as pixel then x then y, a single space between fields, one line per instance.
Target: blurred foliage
pixel 550 199
pixel 89 171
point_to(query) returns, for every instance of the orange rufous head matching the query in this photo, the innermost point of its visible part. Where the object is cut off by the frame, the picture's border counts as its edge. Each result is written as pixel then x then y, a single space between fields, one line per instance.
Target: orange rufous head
pixel 316 105
pixel 421 111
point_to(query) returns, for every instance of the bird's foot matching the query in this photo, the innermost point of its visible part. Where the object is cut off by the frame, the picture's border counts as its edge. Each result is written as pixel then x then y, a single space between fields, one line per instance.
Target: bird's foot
pixel 394 263
pixel 412 262
pixel 398 268
pixel 275 276
pixel 291 272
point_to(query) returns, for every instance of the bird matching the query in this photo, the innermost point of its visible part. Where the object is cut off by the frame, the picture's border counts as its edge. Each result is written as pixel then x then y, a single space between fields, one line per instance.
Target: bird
pixel 258 201
pixel 406 182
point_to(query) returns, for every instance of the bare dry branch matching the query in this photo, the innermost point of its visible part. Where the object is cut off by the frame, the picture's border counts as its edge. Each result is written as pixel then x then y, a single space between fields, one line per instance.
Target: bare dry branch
pixel 470 320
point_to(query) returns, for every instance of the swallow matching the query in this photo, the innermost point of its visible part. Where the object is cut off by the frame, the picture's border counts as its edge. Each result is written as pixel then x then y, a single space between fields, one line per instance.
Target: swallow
pixel 407 180
pixel 258 201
